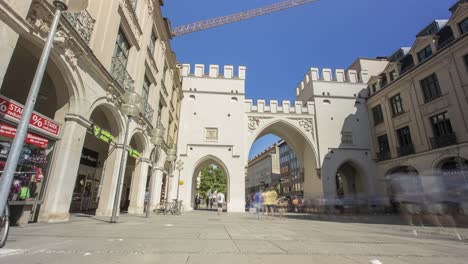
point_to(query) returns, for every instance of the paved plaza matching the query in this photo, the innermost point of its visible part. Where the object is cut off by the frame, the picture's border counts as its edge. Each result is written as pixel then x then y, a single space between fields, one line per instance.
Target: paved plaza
pixel 203 237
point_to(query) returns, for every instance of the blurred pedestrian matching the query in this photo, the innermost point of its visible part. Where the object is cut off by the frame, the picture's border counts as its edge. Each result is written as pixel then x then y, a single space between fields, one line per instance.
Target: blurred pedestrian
pixel 197 201
pixel 220 202
pixel 258 203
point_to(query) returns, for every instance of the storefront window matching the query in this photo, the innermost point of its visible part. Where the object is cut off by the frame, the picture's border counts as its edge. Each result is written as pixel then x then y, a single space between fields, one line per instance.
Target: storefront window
pixel 29 178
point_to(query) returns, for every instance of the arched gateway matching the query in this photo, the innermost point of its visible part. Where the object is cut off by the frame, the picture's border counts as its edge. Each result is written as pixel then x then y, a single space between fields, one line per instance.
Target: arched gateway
pixel 219 125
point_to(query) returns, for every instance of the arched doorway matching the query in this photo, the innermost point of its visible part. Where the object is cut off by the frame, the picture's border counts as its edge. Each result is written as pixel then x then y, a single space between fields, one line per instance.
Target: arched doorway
pixel 349 180
pixel 403 186
pixel 99 156
pixel 52 103
pixel 300 145
pixel 453 173
pixel 210 176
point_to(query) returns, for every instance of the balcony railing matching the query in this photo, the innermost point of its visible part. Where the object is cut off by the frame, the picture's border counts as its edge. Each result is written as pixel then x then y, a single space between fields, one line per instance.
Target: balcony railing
pixel 120 75
pixel 405 150
pixel 443 141
pixel 82 22
pixel 148 112
pixel 381 156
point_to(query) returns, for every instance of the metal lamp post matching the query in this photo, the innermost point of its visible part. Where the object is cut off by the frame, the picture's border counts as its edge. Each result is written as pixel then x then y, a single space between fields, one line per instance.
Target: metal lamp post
pixel 72 6
pixel 156 139
pixel 131 107
pixel 180 166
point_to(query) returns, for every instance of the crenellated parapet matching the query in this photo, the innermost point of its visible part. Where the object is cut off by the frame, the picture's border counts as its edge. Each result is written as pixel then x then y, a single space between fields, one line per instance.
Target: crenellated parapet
pixel 213 71
pixel 328 75
pixel 274 107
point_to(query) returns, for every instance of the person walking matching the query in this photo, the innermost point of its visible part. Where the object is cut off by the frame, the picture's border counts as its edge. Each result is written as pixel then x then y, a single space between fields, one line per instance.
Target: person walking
pixel 197 201
pixel 86 197
pixel 258 202
pixel 270 198
pixel 220 202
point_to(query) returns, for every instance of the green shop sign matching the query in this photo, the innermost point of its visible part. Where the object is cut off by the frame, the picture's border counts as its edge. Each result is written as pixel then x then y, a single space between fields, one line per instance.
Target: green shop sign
pixel 103 135
pixel 134 153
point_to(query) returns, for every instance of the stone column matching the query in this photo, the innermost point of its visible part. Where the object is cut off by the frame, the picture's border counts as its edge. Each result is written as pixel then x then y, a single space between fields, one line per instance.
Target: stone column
pixel 158 175
pixel 8 36
pixel 63 172
pixel 109 182
pixel 138 188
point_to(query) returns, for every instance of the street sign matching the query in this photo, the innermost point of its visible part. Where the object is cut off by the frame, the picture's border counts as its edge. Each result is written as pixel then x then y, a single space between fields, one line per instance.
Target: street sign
pixel 12 111
pixel 102 134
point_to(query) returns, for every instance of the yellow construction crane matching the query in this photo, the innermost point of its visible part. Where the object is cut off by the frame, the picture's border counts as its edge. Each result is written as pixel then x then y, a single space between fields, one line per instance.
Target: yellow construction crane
pixel 219 21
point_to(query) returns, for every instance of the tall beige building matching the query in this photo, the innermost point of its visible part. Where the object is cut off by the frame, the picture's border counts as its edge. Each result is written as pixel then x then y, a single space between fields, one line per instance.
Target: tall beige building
pixel 419 104
pixel 72 155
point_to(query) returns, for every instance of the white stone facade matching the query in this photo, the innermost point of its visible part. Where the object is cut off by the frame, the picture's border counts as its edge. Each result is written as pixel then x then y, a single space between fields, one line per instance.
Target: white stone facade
pixel 82 87
pixel 327 127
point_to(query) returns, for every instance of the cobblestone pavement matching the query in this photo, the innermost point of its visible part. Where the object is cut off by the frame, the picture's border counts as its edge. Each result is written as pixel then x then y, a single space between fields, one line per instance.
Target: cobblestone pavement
pixel 202 237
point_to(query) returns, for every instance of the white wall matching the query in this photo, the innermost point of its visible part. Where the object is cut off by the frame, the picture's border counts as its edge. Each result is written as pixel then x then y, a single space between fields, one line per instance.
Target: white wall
pixel 212 106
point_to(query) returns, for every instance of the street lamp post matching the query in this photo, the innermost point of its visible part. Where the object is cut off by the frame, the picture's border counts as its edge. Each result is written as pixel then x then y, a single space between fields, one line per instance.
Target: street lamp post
pixel 180 166
pixel 73 6
pixel 156 139
pixel 130 107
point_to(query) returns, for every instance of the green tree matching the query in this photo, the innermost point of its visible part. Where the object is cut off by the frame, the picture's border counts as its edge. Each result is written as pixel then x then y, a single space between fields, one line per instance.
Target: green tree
pixel 212 178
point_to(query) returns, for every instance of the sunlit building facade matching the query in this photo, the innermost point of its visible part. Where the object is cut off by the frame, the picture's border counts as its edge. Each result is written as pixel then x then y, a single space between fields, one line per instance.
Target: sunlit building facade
pixel 418 105
pixel 74 145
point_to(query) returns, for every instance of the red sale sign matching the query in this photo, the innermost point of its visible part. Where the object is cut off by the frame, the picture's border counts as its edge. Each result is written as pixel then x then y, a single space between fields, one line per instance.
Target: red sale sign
pixel 33 139
pixel 12 111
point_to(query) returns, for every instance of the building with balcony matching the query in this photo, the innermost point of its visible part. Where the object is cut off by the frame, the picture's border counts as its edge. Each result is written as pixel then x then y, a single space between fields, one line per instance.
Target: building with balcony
pixel 418 104
pixel 75 140
pixel 263 171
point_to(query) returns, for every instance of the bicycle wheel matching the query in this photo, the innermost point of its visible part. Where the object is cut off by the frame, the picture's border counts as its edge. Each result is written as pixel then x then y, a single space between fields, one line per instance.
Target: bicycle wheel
pixel 4 227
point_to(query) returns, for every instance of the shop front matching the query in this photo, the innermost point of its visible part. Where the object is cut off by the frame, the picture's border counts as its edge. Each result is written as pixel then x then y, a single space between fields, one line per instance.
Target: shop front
pixel 30 178
pixel 98 145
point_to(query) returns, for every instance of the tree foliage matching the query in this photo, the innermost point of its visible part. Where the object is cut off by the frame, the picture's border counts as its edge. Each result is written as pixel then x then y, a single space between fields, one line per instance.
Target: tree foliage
pixel 212 178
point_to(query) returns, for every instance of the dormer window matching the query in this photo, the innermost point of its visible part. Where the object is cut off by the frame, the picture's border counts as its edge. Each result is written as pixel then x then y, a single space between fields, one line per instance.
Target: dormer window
pixel 383 80
pixel 374 88
pixel 393 75
pixel 463 26
pixel 406 64
pixel 424 54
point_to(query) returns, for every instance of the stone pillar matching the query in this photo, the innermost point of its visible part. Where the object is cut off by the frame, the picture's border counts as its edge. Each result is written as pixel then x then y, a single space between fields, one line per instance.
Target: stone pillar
pixel 8 36
pixel 158 175
pixel 109 182
pixel 138 188
pixel 63 173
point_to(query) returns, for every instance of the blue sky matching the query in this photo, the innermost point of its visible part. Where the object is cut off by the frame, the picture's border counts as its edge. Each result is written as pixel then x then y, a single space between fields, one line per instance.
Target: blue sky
pixel 279 48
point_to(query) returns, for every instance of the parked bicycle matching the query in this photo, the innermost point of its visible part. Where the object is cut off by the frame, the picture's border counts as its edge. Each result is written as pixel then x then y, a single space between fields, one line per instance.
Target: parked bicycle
pixel 4 227
pixel 173 207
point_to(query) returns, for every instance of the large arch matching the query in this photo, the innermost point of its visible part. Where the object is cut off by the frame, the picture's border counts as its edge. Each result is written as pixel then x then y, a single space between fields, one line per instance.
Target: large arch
pixel 301 139
pixel 55 100
pixel 201 164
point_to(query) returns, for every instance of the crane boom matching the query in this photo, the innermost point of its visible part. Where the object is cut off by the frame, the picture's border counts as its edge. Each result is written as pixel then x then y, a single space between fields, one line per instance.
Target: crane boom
pixel 219 21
